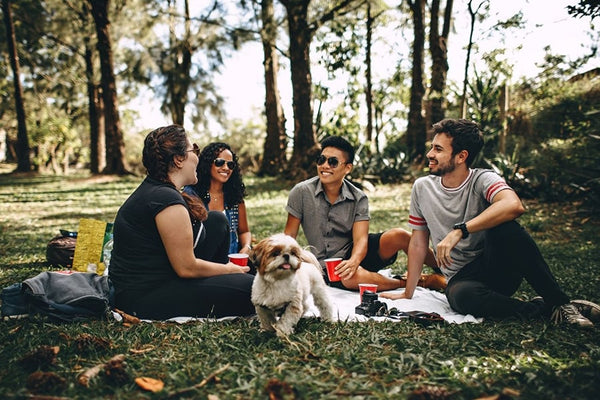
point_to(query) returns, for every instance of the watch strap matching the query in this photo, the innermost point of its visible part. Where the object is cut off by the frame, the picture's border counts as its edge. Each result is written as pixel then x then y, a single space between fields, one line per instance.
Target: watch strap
pixel 463 227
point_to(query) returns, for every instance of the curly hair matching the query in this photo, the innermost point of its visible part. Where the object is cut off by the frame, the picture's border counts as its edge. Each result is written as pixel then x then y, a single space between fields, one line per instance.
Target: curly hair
pixel 234 189
pixel 160 148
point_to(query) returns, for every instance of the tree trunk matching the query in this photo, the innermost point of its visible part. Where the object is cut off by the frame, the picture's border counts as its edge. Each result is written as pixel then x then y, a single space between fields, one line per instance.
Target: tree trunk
pixel 115 147
pixel 305 141
pixel 504 105
pixel 274 156
pixel 22 150
pixel 178 76
pixel 369 82
pixel 438 44
pixel 97 140
pixel 416 132
pixel 473 14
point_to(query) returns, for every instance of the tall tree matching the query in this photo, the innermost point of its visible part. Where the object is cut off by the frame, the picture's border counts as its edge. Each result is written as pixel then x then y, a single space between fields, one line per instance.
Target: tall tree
pixel 301 32
pixel 416 130
pixel 369 77
pixel 438 46
pixel 473 13
pixel 23 160
pixel 180 64
pixel 274 150
pixel 115 147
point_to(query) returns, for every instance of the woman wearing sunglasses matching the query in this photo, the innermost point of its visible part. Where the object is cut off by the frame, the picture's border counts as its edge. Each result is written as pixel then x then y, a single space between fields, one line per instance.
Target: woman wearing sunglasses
pixel 170 254
pixel 221 188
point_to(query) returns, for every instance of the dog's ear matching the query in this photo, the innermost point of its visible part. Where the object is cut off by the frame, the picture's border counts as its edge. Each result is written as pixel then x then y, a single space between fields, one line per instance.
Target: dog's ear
pixel 309 257
pixel 254 258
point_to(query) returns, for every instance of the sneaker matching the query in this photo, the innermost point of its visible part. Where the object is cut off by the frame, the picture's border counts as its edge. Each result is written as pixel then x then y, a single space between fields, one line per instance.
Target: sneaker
pixel 588 309
pixel 568 313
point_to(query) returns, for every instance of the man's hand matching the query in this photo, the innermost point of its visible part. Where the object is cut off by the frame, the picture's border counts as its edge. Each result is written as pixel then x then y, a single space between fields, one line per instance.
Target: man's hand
pixel 346 269
pixel 445 247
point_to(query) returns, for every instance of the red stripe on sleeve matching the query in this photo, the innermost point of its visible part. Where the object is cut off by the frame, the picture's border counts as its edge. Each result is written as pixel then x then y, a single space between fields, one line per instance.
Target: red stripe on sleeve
pixel 496 187
pixel 416 220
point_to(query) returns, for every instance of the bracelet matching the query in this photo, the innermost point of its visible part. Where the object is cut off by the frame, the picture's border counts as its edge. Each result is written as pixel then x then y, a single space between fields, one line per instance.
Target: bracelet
pixel 248 246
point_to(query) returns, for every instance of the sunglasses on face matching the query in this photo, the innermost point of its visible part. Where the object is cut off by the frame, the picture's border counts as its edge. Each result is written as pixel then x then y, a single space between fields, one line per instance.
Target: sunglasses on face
pixel 219 162
pixel 195 149
pixel 332 161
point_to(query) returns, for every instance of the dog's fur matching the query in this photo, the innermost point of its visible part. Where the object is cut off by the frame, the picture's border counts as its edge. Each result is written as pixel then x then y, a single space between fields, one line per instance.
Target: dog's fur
pixel 286 276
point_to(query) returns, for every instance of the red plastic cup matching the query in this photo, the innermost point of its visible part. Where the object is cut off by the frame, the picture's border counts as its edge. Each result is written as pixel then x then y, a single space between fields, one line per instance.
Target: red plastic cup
pixel 331 263
pixel 366 286
pixel 240 259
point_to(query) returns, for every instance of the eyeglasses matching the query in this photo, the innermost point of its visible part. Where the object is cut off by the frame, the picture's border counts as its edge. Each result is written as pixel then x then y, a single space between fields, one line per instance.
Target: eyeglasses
pixel 332 161
pixel 219 162
pixel 195 149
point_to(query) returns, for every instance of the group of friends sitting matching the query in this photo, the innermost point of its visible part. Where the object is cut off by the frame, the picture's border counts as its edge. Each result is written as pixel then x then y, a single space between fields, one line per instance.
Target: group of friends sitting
pixel 172 236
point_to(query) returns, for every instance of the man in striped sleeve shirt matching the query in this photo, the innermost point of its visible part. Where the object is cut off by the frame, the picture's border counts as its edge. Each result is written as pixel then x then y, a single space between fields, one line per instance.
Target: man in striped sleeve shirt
pixel 469 215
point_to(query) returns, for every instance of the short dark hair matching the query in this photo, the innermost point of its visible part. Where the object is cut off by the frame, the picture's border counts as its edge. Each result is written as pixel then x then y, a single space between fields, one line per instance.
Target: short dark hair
pixel 339 143
pixel 465 135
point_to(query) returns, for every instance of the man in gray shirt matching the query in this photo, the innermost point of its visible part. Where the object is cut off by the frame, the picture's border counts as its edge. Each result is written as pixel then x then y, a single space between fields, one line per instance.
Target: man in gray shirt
pixel 470 216
pixel 334 215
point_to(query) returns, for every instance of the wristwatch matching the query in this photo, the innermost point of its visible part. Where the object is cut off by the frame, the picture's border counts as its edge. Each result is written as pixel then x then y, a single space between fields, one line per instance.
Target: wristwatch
pixel 463 227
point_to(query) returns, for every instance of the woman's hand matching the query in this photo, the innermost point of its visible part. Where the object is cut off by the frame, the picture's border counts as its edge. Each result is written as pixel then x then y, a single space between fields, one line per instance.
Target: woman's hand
pixel 237 269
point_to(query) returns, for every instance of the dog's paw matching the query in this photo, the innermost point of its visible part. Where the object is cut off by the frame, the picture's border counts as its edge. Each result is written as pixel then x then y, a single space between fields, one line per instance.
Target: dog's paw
pixel 283 330
pixel 267 327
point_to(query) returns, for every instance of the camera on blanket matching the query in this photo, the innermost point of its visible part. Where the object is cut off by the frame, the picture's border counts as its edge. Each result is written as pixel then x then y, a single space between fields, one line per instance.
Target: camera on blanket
pixel 370 305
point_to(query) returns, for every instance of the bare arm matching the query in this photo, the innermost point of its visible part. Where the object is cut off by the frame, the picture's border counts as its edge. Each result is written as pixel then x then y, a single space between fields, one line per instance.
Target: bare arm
pixel 506 206
pixel 360 237
pixel 244 234
pixel 417 251
pixel 292 226
pixel 175 229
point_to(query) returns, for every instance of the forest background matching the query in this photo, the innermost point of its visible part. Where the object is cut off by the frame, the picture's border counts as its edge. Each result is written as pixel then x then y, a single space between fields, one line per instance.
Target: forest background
pixel 73 69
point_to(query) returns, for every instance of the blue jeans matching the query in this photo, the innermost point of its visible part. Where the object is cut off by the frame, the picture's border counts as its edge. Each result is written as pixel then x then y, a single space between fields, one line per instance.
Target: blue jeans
pixel 484 287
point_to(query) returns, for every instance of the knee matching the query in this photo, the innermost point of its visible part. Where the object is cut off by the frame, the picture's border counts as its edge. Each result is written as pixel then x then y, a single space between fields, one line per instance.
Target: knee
pixel 463 297
pixel 398 236
pixel 217 222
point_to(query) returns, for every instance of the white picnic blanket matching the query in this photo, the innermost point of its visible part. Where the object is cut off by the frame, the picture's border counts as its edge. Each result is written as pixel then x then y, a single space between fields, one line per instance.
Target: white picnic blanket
pixel 345 301
pixel 423 300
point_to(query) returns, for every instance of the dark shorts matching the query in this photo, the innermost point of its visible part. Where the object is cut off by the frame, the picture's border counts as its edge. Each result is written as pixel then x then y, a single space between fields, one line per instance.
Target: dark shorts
pixel 372 262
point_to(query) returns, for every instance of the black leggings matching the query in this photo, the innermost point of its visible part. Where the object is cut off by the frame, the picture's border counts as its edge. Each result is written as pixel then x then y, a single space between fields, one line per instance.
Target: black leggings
pixel 217 296
pixel 483 287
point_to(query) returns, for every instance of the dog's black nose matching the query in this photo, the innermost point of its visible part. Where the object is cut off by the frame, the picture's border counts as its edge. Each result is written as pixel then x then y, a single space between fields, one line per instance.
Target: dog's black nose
pixel 286 257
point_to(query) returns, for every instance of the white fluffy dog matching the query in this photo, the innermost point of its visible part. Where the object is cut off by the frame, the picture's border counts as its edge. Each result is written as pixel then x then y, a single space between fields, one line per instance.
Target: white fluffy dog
pixel 286 277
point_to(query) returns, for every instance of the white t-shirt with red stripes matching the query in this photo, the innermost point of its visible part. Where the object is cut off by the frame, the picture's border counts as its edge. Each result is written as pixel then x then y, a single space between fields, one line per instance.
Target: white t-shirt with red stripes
pixel 437 208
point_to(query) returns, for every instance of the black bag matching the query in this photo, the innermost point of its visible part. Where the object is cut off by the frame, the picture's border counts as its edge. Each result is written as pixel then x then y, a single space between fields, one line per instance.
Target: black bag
pixel 60 250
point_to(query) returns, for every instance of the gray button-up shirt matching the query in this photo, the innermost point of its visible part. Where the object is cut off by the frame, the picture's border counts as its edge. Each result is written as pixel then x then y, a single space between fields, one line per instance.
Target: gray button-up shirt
pixel 328 227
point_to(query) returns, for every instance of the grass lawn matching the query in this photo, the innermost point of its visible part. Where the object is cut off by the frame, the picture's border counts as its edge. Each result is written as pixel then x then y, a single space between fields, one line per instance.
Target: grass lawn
pixel 514 359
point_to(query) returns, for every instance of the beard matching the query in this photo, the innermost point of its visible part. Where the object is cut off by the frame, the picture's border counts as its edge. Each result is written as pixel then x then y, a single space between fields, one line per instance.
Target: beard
pixel 443 169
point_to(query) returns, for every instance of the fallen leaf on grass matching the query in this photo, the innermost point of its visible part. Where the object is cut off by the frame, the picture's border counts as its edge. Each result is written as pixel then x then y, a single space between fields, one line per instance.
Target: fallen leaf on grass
pixel 127 319
pixel 85 377
pixel 86 342
pixel 142 350
pixel 45 382
pixel 430 393
pixel 279 390
pixel 41 357
pixel 150 384
pixel 115 370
